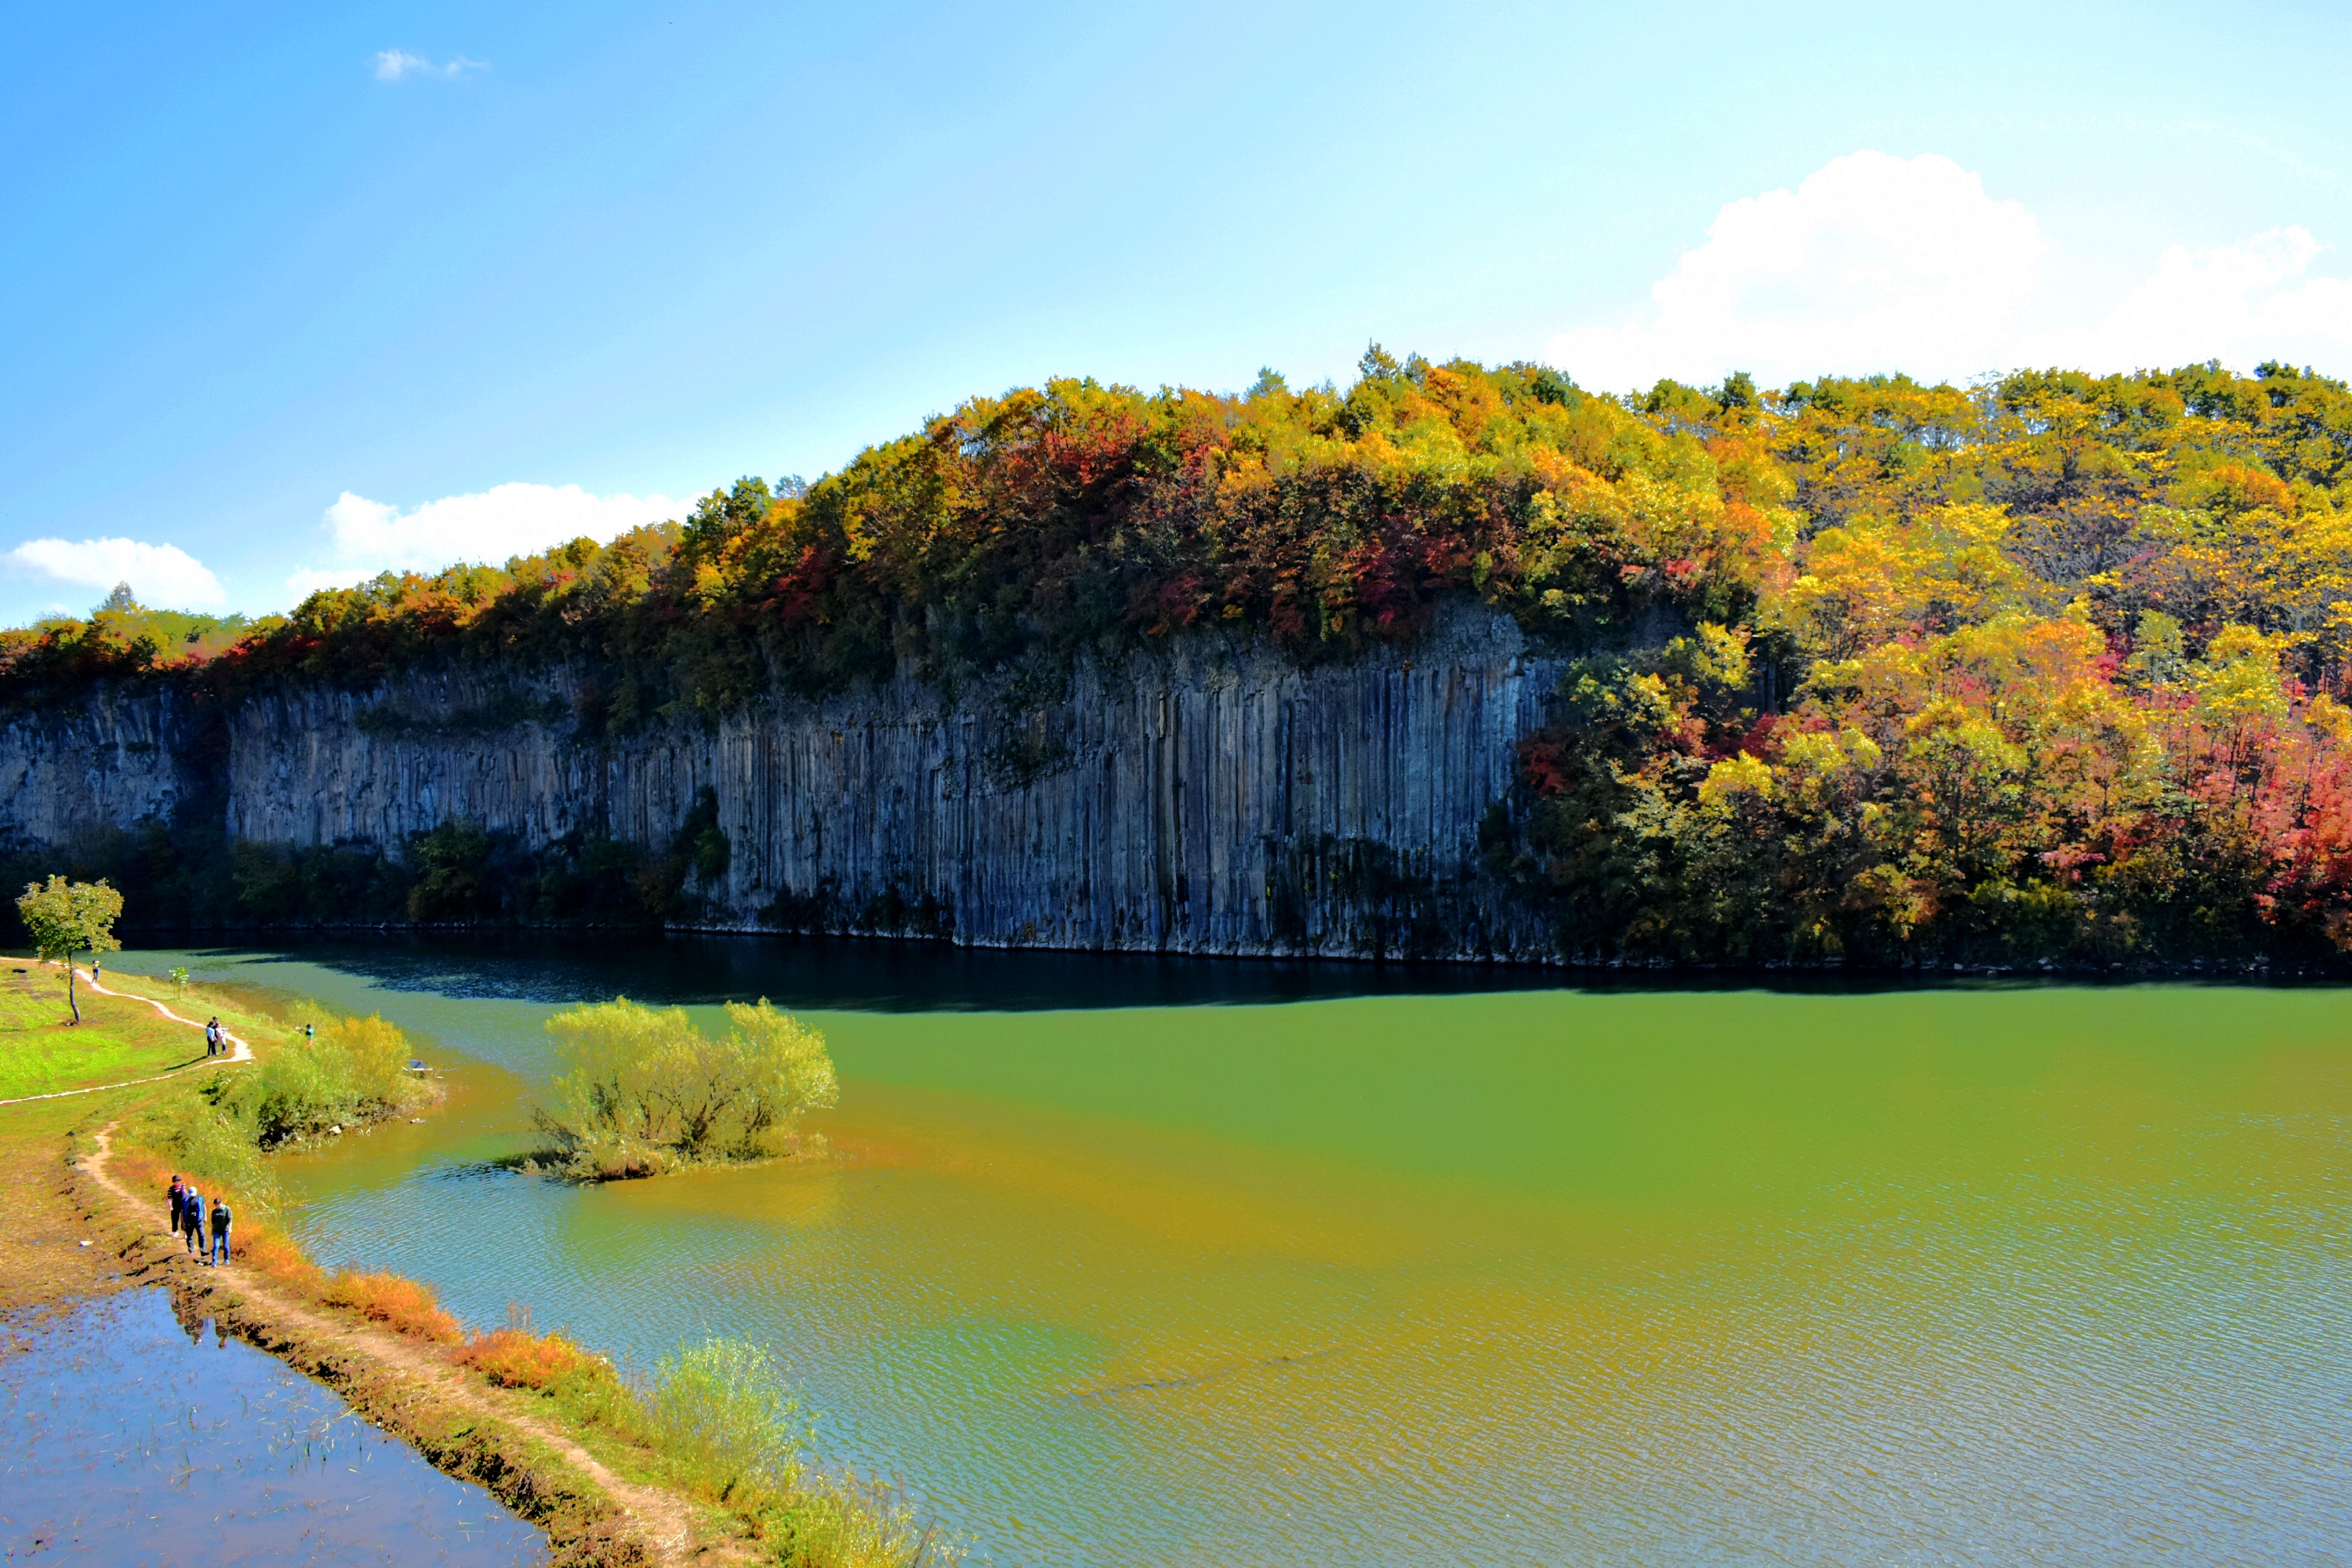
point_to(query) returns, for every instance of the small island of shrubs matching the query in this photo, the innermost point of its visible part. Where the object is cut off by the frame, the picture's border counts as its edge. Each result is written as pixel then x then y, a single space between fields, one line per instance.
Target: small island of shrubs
pixel 645 1091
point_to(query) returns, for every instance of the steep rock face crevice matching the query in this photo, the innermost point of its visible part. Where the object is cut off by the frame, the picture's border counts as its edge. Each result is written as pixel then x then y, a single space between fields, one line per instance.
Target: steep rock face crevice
pixel 1211 797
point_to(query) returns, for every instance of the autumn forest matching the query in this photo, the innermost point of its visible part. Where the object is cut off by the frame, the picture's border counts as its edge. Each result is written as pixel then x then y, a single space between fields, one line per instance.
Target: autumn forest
pixel 2053 669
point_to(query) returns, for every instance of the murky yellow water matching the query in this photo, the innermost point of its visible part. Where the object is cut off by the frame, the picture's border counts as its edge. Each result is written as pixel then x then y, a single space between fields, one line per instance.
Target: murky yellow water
pixel 1981 1275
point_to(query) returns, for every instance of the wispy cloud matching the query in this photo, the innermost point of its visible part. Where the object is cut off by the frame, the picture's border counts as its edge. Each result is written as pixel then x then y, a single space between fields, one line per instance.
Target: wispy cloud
pixel 1877 263
pixel 366 537
pixel 399 65
pixel 162 575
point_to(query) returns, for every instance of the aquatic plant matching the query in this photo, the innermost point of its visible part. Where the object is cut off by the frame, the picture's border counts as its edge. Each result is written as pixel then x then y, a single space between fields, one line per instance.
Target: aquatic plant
pixel 719 1410
pixel 645 1091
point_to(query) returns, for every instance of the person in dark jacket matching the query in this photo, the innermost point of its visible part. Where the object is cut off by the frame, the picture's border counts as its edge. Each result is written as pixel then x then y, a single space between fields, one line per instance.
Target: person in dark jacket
pixel 194 1214
pixel 221 1217
pixel 179 1203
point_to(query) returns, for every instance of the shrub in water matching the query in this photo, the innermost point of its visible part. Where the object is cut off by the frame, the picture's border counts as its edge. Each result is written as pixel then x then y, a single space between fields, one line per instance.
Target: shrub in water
pixel 721 1414
pixel 646 1089
pixel 353 1072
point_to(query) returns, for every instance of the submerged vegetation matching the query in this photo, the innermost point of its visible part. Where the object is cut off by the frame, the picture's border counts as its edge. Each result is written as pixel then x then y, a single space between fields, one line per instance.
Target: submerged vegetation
pixel 2057 668
pixel 643 1091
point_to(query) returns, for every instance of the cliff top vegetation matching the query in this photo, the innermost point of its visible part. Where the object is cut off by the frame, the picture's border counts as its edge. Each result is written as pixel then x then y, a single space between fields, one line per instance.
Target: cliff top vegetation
pixel 1081 516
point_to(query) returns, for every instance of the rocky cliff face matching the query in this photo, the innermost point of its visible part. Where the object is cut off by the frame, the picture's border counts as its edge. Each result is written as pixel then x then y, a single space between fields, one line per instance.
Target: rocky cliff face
pixel 114 760
pixel 1213 798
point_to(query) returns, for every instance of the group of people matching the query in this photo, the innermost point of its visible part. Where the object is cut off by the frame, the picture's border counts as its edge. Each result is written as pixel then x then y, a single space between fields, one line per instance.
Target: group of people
pixel 216 1037
pixel 188 1218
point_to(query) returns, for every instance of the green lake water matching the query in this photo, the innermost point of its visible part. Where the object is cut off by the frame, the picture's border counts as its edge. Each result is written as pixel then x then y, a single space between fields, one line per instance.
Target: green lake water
pixel 1131 1262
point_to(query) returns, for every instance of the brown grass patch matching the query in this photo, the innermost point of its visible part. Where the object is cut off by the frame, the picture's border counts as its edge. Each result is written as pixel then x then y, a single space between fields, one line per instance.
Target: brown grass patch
pixel 405 1305
pixel 275 1254
pixel 515 1358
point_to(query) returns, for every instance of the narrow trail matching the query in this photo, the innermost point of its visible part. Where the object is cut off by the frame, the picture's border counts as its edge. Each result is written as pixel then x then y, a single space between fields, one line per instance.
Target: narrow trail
pixel 242 1053
pixel 663 1520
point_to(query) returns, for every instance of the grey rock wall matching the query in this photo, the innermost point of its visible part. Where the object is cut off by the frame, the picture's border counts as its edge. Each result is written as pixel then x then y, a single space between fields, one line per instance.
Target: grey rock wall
pixel 1213 798
pixel 112 757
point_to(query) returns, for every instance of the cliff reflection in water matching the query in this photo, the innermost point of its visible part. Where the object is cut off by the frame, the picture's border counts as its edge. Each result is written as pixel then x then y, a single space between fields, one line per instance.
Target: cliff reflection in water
pixel 870 974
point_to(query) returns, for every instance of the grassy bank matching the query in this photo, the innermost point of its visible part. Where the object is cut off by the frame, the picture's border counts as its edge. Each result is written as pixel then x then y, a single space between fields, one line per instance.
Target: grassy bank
pixel 48 1053
pixel 705 1456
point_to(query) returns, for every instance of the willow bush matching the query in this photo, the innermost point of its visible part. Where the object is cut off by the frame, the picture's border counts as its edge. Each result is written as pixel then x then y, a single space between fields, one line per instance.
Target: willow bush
pixel 645 1091
pixel 353 1072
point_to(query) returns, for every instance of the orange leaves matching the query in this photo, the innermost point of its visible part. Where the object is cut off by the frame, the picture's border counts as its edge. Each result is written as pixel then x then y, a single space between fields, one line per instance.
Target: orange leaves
pixel 514 1358
pixel 404 1305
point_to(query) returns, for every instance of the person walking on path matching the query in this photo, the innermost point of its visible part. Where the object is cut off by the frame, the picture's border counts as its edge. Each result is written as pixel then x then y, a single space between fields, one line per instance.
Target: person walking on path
pixel 195 1216
pixel 212 1037
pixel 179 1203
pixel 221 1217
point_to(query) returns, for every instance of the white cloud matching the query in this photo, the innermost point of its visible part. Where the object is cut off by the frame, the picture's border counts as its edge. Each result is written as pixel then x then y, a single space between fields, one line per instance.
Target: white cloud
pixel 396 65
pixel 161 574
pixel 2241 303
pixel 366 537
pixel 1877 263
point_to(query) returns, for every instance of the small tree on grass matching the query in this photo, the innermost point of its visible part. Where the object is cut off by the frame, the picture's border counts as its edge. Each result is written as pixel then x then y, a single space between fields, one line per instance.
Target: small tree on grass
pixel 68 918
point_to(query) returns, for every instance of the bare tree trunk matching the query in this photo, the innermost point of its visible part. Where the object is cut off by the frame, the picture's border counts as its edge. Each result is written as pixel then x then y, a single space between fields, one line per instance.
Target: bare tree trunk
pixel 70 1002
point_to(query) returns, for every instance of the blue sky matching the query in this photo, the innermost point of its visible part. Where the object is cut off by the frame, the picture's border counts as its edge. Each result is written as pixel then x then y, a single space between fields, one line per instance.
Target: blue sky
pixel 288 296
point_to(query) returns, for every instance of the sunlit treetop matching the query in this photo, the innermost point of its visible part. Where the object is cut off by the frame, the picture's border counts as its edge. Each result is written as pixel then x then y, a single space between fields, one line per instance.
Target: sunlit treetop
pixel 1075 517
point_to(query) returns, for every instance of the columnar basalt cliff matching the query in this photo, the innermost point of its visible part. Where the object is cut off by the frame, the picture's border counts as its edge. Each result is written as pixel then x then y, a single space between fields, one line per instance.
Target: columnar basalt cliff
pixel 1211 798
pixel 115 759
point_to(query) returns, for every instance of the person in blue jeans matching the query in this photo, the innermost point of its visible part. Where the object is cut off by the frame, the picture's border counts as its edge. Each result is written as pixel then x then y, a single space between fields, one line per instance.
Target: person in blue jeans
pixel 220 1230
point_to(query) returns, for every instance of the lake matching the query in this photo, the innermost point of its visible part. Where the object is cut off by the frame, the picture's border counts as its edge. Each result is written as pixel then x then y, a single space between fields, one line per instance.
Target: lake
pixel 1163 1262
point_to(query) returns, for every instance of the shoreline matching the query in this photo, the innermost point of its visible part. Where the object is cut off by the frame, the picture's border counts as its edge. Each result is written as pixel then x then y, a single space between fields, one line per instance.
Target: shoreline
pixel 412 1391
pixel 1564 971
pixel 604 1488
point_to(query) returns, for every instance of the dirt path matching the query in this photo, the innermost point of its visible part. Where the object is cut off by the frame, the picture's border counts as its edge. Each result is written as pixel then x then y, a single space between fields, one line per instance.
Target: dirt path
pixel 664 1522
pixel 242 1053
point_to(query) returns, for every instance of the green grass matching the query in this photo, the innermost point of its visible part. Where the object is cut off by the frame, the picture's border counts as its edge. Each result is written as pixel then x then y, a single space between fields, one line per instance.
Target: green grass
pixel 42 1051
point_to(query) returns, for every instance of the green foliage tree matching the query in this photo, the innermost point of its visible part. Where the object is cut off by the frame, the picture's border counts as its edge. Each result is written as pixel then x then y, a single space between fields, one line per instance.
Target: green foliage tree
pixel 720 1410
pixel 68 918
pixel 645 1090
